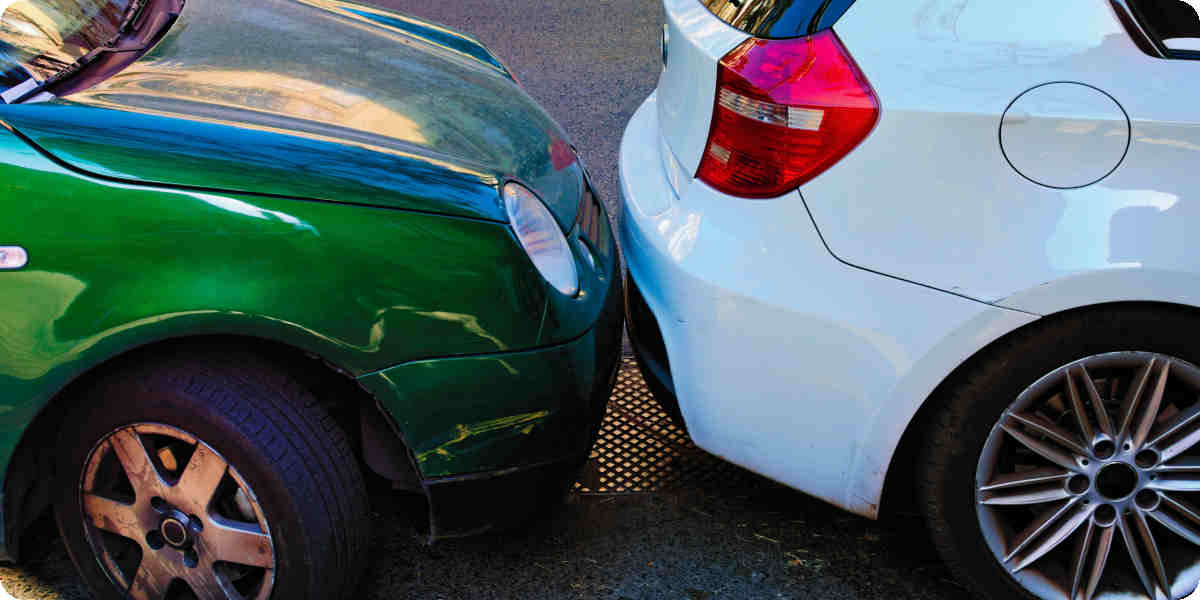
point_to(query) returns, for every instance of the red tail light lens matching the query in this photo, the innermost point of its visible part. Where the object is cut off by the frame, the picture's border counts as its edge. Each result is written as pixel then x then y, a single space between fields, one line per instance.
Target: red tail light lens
pixel 786 111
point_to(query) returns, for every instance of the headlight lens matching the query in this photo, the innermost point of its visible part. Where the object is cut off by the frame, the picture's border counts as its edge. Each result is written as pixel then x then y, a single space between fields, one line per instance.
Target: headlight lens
pixel 543 241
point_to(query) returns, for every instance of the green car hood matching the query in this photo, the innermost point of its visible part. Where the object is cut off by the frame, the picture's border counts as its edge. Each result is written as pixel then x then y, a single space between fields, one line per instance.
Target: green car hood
pixel 314 99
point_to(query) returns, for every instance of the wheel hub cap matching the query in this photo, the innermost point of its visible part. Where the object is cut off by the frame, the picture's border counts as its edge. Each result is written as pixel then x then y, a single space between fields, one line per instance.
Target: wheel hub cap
pixel 175 530
pixel 1088 487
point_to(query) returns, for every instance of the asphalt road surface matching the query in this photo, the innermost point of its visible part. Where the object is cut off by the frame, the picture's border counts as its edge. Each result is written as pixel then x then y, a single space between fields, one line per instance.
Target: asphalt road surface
pixel 689 528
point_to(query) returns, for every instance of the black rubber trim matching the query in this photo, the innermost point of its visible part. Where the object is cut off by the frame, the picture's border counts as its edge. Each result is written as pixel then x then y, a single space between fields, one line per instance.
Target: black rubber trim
pixel 514 497
pixel 650 351
pixel 646 335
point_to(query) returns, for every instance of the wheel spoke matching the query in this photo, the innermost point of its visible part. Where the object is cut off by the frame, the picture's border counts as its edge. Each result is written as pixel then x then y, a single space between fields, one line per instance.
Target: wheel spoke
pixel 1048 429
pixel 207 585
pixel 1133 398
pixel 1188 527
pixel 1178 483
pixel 1182 475
pixel 1090 560
pixel 1186 464
pixel 1182 433
pixel 134 458
pixel 1143 552
pixel 1046 533
pixel 1081 554
pixel 239 543
pixel 1149 412
pixel 200 479
pixel 152 581
pixel 1046 450
pixel 1081 413
pixel 1093 394
pixel 115 517
pixel 1029 487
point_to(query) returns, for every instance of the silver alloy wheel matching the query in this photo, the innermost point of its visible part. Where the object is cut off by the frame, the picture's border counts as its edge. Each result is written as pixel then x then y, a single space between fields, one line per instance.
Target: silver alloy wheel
pixel 1086 487
pixel 167 515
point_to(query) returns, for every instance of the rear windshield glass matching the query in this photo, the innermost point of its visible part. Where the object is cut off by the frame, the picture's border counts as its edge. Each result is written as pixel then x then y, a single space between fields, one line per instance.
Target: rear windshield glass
pixel 1174 23
pixel 779 18
pixel 44 38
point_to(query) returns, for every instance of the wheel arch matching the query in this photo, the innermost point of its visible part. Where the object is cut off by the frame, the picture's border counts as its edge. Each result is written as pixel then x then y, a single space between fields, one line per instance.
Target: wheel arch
pixel 27 488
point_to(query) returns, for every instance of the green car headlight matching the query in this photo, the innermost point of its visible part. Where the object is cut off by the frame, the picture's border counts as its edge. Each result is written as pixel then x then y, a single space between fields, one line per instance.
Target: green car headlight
pixel 541 237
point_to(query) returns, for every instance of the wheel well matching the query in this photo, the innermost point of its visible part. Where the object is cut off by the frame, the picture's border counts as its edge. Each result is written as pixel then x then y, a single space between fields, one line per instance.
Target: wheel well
pixel 30 473
pixel 898 484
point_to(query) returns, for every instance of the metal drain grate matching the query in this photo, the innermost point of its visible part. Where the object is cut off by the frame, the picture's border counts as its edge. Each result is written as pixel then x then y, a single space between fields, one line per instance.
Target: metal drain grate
pixel 641 450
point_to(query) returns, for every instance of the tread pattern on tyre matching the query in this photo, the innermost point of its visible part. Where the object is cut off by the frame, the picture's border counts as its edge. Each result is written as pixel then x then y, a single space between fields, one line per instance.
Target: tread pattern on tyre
pixel 322 442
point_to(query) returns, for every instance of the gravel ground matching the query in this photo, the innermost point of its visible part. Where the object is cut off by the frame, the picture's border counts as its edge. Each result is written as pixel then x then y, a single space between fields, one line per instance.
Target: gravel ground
pixel 591 64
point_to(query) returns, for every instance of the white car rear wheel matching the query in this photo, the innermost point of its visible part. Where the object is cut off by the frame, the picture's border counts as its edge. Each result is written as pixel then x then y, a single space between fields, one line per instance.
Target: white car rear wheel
pixel 1064 462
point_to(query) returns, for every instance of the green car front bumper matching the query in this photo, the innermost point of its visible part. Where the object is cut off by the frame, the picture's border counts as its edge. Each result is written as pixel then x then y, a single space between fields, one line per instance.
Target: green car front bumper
pixel 534 416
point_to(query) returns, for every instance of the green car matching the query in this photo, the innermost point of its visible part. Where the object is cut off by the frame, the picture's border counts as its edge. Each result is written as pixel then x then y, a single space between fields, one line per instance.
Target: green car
pixel 255 256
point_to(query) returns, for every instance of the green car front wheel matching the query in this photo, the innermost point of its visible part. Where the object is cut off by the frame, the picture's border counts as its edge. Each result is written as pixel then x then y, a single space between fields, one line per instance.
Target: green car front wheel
pixel 209 477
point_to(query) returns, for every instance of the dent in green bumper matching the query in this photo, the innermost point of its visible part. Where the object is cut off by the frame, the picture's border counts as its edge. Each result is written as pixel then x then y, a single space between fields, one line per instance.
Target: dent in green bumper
pixel 495 411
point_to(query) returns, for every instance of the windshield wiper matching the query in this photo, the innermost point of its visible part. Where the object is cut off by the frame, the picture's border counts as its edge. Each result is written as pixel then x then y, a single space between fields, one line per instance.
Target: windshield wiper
pixel 144 24
pixel 132 12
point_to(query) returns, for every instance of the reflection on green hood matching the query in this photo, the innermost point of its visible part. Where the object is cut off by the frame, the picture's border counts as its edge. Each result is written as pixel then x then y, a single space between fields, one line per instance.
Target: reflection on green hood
pixel 316 99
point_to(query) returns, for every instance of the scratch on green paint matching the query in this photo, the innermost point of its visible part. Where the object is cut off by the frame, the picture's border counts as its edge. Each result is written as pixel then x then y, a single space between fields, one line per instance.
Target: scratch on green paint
pixel 522 423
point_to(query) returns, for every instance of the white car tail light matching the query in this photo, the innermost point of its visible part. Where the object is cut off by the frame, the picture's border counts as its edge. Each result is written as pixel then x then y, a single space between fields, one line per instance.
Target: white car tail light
pixel 786 111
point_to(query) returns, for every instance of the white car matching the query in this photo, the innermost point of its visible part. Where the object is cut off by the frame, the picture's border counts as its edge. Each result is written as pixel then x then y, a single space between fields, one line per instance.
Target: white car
pixel 942 244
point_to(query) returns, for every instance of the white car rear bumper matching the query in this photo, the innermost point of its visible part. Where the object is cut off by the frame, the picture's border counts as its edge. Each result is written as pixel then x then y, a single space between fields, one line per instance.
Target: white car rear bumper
pixel 785 360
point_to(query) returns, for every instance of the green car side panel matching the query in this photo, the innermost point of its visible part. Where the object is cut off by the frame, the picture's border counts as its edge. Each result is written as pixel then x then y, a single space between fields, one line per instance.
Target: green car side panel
pixel 114 266
pixel 314 99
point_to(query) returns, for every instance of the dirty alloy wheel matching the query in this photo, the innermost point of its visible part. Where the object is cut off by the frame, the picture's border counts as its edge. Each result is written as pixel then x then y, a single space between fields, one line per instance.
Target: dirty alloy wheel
pixel 209 478
pixel 1067 465
pixel 200 524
